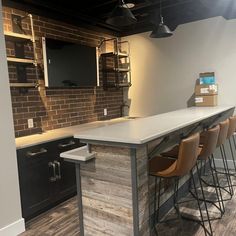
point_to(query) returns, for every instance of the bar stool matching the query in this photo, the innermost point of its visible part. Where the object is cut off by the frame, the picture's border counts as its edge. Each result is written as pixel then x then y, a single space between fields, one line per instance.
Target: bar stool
pixel 161 167
pixel 222 137
pixel 234 141
pixel 207 147
pixel 224 127
pixel 230 135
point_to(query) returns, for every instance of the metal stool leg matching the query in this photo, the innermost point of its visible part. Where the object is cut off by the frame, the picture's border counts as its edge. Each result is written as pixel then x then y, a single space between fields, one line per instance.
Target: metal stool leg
pixel 156 204
pixel 155 207
pixel 176 205
pixel 227 170
pixel 234 142
pixel 217 189
pixel 217 181
pixel 232 153
pixel 217 177
pixel 205 205
pixel 216 203
pixel 198 202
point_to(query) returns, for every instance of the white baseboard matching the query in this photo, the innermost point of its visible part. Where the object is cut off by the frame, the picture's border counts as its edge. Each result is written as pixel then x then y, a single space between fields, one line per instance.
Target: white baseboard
pixel 219 163
pixel 14 228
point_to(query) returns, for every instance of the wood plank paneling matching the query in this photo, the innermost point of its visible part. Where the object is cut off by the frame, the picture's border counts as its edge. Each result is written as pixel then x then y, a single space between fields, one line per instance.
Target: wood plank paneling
pixel 107 192
pixel 143 190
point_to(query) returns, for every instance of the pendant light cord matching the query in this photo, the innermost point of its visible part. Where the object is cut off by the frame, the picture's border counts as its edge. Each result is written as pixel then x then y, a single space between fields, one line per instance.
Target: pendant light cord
pixel 161 17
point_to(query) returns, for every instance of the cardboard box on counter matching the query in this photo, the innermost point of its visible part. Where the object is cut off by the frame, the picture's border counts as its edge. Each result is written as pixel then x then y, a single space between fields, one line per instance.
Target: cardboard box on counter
pixel 207 74
pixel 207 78
pixel 206 101
pixel 206 89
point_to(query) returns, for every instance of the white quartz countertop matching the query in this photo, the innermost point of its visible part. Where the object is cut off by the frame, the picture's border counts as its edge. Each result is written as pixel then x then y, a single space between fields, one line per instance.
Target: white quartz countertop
pixel 143 130
pixel 52 135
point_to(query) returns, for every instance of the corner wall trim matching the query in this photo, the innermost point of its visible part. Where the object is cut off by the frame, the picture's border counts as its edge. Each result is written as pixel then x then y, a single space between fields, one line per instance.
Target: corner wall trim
pixel 14 228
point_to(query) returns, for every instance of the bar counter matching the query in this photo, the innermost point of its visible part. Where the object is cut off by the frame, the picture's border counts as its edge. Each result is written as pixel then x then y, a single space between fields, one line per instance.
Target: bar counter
pixel 115 192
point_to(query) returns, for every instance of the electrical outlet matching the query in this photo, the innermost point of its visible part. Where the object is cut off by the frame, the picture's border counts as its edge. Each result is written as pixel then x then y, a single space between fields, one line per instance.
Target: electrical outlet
pixel 105 111
pixel 30 123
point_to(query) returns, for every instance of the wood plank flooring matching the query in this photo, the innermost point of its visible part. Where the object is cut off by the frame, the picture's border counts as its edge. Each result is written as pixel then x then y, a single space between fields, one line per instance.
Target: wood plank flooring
pixel 63 221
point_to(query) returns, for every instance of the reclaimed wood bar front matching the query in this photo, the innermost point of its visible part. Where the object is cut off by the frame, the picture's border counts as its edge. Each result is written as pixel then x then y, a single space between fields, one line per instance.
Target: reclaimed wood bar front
pixel 114 189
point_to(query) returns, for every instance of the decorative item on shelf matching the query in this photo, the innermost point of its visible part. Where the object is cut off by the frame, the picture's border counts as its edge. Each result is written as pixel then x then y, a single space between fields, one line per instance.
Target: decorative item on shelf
pixel 162 30
pixel 206 90
pixel 20 38
pixel 116 64
pixel 121 15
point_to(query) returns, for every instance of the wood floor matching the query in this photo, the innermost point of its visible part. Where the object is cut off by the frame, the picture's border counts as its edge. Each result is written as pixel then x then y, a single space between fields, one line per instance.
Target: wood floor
pixel 63 221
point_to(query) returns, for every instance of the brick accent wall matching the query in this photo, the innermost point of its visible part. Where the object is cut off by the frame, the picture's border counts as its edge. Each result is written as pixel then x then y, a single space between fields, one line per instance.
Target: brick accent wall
pixel 57 108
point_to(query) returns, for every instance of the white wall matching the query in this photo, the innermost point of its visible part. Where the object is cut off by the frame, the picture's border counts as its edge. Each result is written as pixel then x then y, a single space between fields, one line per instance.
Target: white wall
pixel 11 222
pixel 164 71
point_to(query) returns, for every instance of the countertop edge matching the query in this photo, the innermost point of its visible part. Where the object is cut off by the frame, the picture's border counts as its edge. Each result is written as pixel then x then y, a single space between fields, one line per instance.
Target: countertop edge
pixel 109 139
pixel 57 134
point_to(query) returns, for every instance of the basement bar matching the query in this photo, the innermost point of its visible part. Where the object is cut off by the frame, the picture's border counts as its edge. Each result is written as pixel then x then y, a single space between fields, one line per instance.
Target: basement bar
pixel 115 192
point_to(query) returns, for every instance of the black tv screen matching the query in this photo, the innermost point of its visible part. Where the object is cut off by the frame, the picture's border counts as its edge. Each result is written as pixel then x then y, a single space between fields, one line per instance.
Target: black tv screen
pixel 69 64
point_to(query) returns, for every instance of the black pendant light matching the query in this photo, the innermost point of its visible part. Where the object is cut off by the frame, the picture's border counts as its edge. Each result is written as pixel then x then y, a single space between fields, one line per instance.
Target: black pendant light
pixel 162 31
pixel 121 15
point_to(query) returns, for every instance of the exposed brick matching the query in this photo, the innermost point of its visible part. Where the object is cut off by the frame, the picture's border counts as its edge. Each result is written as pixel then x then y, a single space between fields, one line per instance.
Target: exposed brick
pixel 57 108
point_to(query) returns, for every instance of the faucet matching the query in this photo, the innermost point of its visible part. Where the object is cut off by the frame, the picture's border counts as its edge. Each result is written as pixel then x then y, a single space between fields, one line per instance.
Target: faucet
pixel 124 104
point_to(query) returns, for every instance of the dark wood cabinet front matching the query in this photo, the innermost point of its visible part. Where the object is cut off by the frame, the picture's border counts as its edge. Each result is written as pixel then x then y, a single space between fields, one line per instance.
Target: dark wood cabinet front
pixel 66 183
pixel 34 175
pixel 45 178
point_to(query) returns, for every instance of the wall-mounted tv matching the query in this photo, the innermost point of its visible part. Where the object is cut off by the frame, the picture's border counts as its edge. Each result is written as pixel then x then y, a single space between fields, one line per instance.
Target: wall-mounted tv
pixel 69 64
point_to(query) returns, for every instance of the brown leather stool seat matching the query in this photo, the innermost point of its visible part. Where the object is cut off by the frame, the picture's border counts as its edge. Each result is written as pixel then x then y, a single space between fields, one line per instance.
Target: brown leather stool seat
pixel 232 127
pixel 224 127
pixel 187 157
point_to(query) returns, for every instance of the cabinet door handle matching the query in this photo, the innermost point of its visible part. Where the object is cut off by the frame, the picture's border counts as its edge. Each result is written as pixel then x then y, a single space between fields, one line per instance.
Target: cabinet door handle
pixel 63 145
pixel 52 178
pixel 58 164
pixel 33 154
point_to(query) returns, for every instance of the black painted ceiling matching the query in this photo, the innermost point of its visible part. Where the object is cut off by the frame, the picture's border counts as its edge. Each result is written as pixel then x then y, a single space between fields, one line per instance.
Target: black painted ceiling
pixel 93 13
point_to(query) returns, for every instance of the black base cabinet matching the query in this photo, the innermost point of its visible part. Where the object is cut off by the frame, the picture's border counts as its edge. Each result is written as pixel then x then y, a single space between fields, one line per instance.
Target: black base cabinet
pixel 45 178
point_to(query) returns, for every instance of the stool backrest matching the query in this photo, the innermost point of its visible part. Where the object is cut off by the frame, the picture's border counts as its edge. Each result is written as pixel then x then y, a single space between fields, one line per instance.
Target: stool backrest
pixel 224 126
pixel 188 153
pixel 232 126
pixel 210 142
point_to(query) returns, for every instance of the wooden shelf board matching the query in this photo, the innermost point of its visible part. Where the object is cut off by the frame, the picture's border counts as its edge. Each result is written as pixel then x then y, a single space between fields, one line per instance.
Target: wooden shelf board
pixel 123 70
pixel 116 70
pixel 114 85
pixel 112 54
pixel 20 60
pixel 124 85
pixel 23 85
pixel 17 37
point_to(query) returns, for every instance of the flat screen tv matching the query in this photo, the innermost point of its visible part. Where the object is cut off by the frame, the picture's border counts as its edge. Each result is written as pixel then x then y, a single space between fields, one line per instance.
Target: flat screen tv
pixel 69 64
